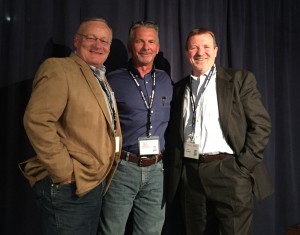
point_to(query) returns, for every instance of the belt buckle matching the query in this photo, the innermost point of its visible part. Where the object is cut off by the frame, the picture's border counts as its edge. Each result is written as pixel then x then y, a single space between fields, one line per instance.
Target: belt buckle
pixel 127 156
pixel 140 163
pixel 202 158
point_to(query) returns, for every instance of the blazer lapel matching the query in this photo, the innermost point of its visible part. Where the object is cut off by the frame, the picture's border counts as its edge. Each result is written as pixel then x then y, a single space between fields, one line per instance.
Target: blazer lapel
pixel 98 93
pixel 179 95
pixel 95 87
pixel 225 90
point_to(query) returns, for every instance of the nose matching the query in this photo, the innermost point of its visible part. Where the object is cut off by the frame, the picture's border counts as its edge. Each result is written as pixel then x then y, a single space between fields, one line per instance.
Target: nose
pixel 145 46
pixel 98 43
pixel 200 51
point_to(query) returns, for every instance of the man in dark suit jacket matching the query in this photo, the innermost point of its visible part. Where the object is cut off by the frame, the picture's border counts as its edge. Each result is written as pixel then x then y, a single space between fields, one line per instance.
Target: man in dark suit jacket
pixel 216 137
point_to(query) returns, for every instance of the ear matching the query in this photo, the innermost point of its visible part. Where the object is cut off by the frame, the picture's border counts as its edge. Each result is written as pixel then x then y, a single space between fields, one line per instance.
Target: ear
pixel 158 47
pixel 216 51
pixel 75 41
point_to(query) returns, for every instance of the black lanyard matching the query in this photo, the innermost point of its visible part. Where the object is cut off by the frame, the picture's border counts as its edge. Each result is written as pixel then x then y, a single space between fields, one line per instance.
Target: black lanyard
pixel 202 89
pixel 147 105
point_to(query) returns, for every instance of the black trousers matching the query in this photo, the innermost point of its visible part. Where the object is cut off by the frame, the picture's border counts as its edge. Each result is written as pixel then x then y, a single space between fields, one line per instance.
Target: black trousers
pixel 217 198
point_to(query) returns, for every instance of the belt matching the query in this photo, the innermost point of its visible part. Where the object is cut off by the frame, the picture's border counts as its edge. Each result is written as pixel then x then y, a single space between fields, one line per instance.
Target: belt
pixel 206 158
pixel 141 160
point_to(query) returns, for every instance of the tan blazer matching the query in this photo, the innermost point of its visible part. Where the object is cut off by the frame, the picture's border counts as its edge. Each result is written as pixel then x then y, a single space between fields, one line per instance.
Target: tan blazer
pixel 69 126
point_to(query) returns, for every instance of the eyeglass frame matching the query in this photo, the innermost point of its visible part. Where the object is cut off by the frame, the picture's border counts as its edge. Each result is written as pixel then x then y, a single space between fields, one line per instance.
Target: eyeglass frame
pixel 93 39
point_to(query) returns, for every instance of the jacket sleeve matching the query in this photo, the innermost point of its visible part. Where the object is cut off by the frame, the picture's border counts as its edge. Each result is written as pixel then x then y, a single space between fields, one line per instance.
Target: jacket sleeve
pixel 258 123
pixel 41 119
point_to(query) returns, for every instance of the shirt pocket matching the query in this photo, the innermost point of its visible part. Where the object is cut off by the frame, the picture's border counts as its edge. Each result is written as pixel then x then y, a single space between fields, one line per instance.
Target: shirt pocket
pixel 163 112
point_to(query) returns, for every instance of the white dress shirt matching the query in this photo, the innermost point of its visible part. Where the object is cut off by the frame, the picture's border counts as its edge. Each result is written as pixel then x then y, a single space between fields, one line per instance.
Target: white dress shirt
pixel 207 134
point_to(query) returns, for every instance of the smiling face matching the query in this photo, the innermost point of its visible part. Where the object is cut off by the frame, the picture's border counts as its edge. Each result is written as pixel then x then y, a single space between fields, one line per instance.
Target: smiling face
pixel 201 52
pixel 144 46
pixel 92 42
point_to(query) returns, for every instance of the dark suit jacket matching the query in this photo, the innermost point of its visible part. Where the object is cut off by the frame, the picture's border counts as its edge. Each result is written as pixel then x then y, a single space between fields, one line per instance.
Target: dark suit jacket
pixel 244 122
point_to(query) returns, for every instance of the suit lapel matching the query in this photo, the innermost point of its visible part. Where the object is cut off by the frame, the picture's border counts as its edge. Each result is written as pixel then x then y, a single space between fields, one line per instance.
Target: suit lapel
pixel 94 86
pixel 225 88
pixel 181 122
pixel 98 93
pixel 179 95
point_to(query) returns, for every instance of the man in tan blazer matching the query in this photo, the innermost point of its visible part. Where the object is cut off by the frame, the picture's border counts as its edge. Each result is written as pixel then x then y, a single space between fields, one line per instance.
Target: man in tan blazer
pixel 72 123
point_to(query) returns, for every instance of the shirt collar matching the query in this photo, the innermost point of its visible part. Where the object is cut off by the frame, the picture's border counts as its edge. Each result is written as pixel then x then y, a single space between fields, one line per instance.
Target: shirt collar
pixel 134 71
pixel 203 75
pixel 102 69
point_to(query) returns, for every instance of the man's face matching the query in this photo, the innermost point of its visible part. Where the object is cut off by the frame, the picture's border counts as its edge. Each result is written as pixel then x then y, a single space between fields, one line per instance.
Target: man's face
pixel 201 53
pixel 92 43
pixel 144 46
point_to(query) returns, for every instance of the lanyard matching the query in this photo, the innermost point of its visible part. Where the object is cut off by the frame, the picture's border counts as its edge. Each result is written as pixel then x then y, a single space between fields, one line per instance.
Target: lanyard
pixel 149 104
pixel 202 89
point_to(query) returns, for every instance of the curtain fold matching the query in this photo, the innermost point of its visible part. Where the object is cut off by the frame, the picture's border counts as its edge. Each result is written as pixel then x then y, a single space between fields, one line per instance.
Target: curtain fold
pixel 260 36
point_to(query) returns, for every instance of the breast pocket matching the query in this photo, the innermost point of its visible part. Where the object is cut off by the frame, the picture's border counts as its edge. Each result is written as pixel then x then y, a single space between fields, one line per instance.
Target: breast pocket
pixel 163 112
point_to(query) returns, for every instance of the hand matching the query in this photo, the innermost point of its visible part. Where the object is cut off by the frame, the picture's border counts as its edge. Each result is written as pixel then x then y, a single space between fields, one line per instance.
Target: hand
pixel 68 180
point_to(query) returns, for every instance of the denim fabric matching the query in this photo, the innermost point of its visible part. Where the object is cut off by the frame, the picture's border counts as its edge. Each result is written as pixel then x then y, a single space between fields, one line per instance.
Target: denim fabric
pixel 139 189
pixel 63 212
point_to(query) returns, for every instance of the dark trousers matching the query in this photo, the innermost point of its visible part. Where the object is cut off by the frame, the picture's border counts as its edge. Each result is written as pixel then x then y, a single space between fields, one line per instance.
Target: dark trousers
pixel 217 198
pixel 63 212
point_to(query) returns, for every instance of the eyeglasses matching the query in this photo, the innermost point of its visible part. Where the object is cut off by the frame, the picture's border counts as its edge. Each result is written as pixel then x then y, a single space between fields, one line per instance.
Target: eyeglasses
pixel 93 39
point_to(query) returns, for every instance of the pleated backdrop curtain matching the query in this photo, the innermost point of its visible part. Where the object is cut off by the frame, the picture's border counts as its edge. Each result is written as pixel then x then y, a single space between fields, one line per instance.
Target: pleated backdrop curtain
pixel 259 35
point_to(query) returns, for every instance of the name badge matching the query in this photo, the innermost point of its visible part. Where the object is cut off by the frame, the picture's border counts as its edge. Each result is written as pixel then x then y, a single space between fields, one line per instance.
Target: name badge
pixel 117 138
pixel 191 150
pixel 149 145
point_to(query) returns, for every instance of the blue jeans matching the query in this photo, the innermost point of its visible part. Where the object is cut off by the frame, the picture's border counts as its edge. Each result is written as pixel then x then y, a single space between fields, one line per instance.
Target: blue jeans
pixel 63 212
pixel 135 188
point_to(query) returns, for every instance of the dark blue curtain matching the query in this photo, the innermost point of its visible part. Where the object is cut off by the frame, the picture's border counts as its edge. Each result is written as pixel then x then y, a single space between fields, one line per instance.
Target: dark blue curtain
pixel 261 36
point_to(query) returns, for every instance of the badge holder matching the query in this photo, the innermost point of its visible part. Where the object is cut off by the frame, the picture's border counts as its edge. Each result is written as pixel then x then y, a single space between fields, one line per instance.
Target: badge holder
pixel 149 145
pixel 191 150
